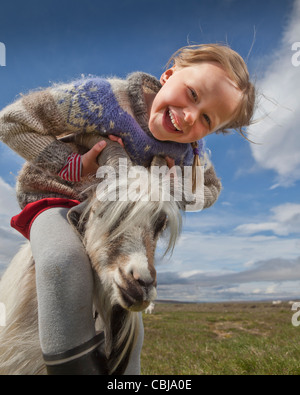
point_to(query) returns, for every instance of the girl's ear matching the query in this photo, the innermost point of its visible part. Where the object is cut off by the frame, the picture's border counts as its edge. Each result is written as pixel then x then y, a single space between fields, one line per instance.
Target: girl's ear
pixel 166 75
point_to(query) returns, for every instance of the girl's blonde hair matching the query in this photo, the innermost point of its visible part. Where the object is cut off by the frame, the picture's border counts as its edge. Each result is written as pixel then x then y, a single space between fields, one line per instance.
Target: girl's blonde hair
pixel 237 71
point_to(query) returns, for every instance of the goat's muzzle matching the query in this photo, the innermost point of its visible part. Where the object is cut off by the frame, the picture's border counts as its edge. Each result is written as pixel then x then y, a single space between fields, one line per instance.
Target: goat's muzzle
pixel 137 291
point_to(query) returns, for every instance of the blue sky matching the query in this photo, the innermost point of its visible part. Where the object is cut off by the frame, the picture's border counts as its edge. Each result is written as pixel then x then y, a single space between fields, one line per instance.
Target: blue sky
pixel 247 245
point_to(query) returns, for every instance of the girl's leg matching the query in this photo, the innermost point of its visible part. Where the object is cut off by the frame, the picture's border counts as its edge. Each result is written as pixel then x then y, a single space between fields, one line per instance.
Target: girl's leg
pixel 64 288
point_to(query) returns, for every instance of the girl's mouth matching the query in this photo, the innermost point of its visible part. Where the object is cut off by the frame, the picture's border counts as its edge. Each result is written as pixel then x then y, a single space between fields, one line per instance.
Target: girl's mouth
pixel 169 122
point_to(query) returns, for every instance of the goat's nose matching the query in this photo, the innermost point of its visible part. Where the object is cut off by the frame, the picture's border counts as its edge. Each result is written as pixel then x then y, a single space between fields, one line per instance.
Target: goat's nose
pixel 143 281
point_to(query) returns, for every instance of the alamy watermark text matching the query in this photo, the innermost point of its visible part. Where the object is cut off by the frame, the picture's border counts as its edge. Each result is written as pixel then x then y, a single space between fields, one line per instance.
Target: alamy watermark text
pixel 296 307
pixel 135 183
pixel 2 314
pixel 2 54
pixel 296 56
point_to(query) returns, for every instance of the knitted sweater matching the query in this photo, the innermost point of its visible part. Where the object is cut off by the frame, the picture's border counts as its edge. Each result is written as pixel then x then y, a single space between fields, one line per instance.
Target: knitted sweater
pixel 32 125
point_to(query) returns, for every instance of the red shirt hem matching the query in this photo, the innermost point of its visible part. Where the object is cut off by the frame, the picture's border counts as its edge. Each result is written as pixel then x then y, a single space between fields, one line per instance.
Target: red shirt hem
pixel 23 221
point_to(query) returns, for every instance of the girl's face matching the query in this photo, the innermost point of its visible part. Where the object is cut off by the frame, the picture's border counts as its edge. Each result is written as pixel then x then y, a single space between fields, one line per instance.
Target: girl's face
pixel 193 102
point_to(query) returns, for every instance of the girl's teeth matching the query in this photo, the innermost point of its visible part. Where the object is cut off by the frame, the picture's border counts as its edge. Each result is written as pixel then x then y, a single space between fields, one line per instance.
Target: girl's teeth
pixel 173 121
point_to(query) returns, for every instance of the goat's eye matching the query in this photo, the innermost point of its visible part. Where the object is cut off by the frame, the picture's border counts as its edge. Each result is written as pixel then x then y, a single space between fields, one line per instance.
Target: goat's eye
pixel 160 225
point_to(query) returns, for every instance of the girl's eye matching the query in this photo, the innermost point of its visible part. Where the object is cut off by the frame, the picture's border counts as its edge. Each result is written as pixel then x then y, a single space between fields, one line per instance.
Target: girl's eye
pixel 193 94
pixel 207 119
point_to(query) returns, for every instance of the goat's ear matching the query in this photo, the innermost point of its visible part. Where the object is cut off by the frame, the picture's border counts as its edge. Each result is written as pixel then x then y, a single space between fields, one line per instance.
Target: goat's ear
pixel 75 217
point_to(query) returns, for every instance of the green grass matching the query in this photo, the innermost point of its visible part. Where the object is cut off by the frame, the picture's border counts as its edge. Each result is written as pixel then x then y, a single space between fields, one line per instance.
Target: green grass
pixel 221 339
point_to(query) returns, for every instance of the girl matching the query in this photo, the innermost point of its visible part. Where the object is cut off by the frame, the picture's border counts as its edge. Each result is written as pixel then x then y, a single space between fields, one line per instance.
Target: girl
pixel 206 89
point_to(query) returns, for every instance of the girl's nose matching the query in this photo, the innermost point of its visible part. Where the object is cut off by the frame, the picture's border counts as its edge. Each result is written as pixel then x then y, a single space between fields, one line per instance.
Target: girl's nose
pixel 189 117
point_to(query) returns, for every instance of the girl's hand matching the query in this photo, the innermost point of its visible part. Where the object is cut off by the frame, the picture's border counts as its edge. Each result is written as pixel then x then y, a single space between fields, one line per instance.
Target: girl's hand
pixel 89 159
pixel 170 162
pixel 172 174
pixel 117 139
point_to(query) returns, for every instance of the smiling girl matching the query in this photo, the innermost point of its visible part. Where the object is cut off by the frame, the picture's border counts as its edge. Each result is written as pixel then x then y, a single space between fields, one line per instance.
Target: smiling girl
pixel 193 102
pixel 206 89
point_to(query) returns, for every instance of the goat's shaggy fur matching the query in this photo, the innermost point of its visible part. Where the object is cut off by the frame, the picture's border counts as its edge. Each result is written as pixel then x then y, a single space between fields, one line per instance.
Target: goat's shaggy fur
pixel 120 238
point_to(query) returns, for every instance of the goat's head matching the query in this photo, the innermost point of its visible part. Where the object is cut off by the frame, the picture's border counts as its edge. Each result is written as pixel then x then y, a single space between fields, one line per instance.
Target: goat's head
pixel 120 237
pixel 121 249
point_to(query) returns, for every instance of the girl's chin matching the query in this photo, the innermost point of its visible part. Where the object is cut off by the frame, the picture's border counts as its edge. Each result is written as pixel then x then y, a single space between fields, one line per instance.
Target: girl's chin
pixel 157 135
pixel 163 135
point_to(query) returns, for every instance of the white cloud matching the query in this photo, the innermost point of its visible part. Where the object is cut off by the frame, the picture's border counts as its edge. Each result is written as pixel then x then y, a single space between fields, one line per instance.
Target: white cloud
pixel 10 240
pixel 220 252
pixel 8 202
pixel 274 278
pixel 279 131
pixel 212 262
pixel 275 269
pixel 285 220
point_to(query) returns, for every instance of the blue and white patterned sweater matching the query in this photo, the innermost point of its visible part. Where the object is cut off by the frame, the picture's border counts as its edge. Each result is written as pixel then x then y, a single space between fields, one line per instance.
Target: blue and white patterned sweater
pixel 33 125
pixel 92 105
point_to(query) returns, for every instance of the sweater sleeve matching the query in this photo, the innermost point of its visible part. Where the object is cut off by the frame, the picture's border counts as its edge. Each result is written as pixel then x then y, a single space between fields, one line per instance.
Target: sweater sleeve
pixel 212 186
pixel 72 169
pixel 30 126
pixel 209 186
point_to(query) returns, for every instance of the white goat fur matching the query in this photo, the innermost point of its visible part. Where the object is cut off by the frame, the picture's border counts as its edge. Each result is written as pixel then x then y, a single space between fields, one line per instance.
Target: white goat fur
pixel 106 223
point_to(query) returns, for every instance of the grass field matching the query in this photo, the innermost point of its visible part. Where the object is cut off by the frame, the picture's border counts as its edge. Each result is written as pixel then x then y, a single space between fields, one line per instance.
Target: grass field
pixel 221 339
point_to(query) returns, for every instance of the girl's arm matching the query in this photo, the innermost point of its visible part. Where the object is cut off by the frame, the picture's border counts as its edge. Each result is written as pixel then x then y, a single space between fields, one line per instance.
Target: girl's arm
pixel 78 166
pixel 208 188
pixel 30 127
pixel 212 186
